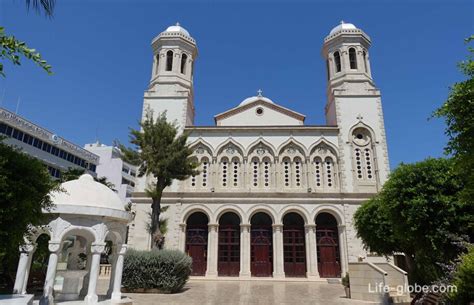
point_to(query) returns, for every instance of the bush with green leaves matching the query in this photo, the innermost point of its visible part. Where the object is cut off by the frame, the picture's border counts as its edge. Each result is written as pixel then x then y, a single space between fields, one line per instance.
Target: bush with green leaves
pixel 464 279
pixel 165 270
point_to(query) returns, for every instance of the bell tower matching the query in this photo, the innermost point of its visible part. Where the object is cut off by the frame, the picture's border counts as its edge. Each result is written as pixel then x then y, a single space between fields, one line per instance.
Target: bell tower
pixel 354 105
pixel 171 84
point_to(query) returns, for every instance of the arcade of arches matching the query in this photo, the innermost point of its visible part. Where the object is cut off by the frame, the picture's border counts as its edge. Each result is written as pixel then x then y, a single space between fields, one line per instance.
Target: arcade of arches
pixel 263 248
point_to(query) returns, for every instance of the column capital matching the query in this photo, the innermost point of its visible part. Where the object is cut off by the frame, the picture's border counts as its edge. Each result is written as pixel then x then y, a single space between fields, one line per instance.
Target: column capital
pixel 213 226
pixel 310 227
pixel 122 249
pixel 245 227
pixel 342 227
pixel 182 226
pixel 277 227
pixel 27 248
pixel 54 246
pixel 97 248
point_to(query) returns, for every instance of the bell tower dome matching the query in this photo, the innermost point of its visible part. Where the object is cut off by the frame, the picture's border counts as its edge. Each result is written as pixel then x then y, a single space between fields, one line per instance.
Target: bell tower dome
pixel 171 84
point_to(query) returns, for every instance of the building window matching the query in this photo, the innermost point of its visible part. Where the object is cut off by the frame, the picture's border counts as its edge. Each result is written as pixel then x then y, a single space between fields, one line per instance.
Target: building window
pixel 327 69
pixel 235 171
pixel 169 60
pixel 353 58
pixel 286 169
pixel 266 172
pixel 364 55
pixel 317 171
pixel 157 63
pixel 297 172
pixel 184 58
pixel 337 61
pixel 205 168
pixel 224 168
pixel 255 171
pixel 329 172
pixel 368 163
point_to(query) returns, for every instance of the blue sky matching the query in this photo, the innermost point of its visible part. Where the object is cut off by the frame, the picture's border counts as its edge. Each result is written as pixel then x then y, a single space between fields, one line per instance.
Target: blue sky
pixel 101 57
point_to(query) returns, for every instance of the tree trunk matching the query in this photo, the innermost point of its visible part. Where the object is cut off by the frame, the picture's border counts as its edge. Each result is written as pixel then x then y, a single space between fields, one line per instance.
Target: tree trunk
pixel 157 237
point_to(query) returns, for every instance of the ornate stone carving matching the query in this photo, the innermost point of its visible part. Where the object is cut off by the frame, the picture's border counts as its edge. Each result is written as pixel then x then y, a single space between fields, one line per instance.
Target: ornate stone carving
pixel 97 248
pixel 200 150
pixel 54 246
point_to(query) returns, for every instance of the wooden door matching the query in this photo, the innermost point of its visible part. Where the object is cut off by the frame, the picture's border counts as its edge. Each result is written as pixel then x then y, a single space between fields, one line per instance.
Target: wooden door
pixel 229 250
pixel 261 252
pixel 328 253
pixel 294 252
pixel 196 247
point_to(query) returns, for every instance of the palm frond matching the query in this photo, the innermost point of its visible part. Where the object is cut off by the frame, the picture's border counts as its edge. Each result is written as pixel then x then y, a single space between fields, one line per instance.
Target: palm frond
pixel 47 6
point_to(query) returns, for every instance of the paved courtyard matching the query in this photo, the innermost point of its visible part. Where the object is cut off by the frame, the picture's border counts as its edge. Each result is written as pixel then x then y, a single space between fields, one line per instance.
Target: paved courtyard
pixel 198 292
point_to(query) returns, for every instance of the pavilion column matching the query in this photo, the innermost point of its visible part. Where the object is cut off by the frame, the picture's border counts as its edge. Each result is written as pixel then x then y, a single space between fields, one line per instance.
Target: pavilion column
pixel 115 249
pixel 182 237
pixel 117 294
pixel 343 248
pixel 21 279
pixel 47 297
pixel 96 251
pixel 212 250
pixel 278 262
pixel 311 252
pixel 244 250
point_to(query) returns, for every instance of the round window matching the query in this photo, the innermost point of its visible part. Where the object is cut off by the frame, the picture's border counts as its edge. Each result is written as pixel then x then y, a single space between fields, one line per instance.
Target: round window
pixel 259 111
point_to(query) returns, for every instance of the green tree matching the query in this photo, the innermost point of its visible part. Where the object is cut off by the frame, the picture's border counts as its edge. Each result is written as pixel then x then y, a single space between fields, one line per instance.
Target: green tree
pixel 464 279
pixel 418 212
pixel 25 185
pixel 458 112
pixel 12 49
pixel 162 153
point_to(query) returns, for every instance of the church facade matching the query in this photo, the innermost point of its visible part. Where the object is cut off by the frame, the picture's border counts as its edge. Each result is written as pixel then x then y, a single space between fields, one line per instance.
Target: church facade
pixel 275 197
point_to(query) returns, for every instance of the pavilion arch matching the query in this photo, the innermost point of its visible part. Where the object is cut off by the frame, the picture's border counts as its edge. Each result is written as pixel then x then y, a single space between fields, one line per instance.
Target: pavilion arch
pixel 296 209
pixel 230 143
pixel 201 143
pixel 361 124
pixel 332 148
pixel 89 234
pixel 229 208
pixel 334 211
pixel 292 143
pixel 260 141
pixel 262 209
pixel 196 208
pixel 37 232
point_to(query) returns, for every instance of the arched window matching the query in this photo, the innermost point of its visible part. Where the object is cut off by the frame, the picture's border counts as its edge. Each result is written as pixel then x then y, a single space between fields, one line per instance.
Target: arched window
pixel 363 154
pixel 157 63
pixel 353 58
pixel 184 57
pixel 204 173
pixel 337 61
pixel 286 171
pixel 255 171
pixel 235 171
pixel 169 60
pixel 193 177
pixel 364 55
pixel 329 172
pixel 327 69
pixel 266 172
pixel 297 171
pixel 224 171
pixel 318 172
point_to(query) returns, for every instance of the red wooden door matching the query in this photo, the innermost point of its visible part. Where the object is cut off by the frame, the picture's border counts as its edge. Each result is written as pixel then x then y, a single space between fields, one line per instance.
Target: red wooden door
pixel 294 252
pixel 196 247
pixel 261 252
pixel 328 253
pixel 229 250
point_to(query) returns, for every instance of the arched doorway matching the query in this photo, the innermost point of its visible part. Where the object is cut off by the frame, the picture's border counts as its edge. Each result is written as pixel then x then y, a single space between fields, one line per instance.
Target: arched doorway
pixel 229 245
pixel 329 262
pixel 196 241
pixel 294 245
pixel 261 257
pixel 39 265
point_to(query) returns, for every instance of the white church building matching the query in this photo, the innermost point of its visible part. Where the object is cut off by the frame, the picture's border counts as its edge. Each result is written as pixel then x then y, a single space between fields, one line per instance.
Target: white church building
pixel 275 197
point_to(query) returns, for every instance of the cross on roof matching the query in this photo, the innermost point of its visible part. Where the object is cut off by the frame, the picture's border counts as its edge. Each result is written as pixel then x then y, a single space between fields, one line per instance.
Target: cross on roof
pixel 259 92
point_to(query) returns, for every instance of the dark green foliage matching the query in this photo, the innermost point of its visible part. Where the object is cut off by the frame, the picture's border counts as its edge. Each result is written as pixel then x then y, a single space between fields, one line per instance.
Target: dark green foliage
pixel 418 212
pixel 464 279
pixel 166 270
pixel 25 185
pixel 162 153
pixel 345 281
pixel 458 112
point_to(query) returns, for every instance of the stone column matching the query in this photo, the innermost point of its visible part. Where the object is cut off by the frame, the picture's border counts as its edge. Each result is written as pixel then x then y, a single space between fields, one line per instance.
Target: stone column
pixel 47 297
pixel 182 237
pixel 212 250
pixel 343 248
pixel 21 279
pixel 96 250
pixel 117 294
pixel 311 252
pixel 278 262
pixel 244 251
pixel 31 250
pixel 115 249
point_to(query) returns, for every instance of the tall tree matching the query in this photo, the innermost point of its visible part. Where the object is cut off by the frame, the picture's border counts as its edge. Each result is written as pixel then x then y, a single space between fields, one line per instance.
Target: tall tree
pixel 458 112
pixel 162 153
pixel 25 186
pixel 418 212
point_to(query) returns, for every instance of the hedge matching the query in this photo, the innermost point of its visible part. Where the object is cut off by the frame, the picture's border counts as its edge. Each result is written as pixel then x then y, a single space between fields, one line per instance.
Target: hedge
pixel 163 270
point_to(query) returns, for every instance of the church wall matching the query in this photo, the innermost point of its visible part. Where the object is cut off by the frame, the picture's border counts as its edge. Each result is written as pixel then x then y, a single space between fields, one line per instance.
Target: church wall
pixel 250 117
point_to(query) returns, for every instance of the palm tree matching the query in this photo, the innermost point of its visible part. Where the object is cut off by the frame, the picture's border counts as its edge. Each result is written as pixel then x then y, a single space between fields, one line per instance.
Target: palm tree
pixel 162 153
pixel 47 6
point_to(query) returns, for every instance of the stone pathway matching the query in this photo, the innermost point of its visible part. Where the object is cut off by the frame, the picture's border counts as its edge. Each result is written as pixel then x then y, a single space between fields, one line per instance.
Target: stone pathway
pixel 199 292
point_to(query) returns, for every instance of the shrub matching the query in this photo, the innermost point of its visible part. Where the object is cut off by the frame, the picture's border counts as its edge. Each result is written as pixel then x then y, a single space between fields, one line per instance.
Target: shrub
pixel 165 270
pixel 464 279
pixel 345 281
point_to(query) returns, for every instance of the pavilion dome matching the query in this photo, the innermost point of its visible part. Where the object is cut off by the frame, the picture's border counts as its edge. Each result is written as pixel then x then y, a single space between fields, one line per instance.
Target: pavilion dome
pixel 342 26
pixel 177 28
pixel 87 192
pixel 256 98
